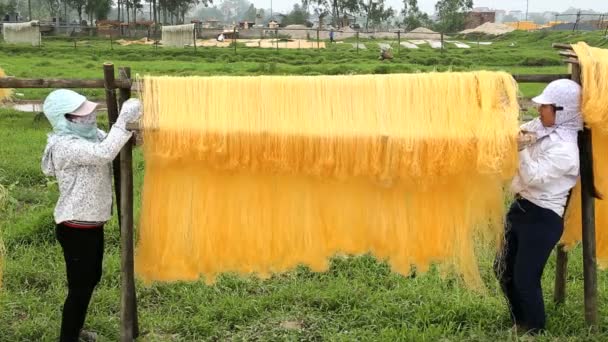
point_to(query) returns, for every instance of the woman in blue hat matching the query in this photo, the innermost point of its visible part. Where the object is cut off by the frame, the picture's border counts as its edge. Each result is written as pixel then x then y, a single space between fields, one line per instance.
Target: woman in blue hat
pixel 79 156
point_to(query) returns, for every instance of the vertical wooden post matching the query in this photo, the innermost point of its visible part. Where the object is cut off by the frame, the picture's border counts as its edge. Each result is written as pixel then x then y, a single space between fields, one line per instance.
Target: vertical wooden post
pixel 108 76
pixel 561 274
pixel 357 41
pixel 588 218
pixel 234 39
pixel 194 38
pixel 442 42
pixel 128 302
pixel 318 42
pixel 399 42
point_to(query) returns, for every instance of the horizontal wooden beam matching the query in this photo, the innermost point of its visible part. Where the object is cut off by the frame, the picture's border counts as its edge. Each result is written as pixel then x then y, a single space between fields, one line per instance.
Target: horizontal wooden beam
pixel 568 53
pixel 16 83
pixel 540 78
pixel 562 46
pixel 571 61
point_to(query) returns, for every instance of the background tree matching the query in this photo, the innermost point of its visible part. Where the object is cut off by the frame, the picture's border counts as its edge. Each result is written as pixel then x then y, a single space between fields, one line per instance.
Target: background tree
pixel 412 16
pixel 452 14
pixel 375 12
pixel 297 16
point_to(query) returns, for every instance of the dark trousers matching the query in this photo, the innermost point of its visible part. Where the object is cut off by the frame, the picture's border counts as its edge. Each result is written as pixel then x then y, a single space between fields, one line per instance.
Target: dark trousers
pixel 83 254
pixel 531 233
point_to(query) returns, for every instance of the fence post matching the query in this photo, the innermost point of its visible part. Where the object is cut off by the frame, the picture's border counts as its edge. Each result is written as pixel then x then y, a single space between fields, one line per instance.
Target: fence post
pixel 399 42
pixel 128 308
pixel 234 39
pixel 194 37
pixel 318 43
pixel 588 218
pixel 561 274
pixel 442 42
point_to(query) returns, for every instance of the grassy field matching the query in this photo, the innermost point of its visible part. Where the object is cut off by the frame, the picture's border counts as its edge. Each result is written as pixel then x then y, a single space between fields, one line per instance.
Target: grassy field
pixel 516 53
pixel 358 299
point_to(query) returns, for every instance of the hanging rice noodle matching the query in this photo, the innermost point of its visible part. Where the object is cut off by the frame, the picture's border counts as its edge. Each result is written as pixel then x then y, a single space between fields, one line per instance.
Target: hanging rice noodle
pixel 257 175
pixel 594 69
pixel 178 35
pixel 22 33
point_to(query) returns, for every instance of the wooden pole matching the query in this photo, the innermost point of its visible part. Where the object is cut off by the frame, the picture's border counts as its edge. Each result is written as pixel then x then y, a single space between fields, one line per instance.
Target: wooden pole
pixel 13 82
pixel 588 218
pixel 562 46
pixel 539 78
pixel 128 301
pixel 234 39
pixel 561 274
pixel 108 75
pixel 399 42
pixel 17 83
pixel 318 42
pixel 194 38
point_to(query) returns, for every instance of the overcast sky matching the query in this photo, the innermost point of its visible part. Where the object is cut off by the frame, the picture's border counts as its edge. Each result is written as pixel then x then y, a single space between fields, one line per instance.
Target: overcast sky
pixel 429 5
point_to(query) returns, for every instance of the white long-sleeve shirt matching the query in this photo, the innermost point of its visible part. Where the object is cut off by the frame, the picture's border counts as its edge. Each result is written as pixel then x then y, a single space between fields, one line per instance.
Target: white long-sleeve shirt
pixel 84 173
pixel 548 170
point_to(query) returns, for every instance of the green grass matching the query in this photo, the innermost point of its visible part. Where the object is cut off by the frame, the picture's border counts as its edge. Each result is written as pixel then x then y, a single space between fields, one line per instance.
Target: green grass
pixel 357 299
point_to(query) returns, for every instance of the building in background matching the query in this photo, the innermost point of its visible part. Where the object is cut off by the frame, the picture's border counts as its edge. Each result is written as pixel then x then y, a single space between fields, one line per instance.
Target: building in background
pixel 211 23
pixel 519 15
pixel 500 16
pixel 474 19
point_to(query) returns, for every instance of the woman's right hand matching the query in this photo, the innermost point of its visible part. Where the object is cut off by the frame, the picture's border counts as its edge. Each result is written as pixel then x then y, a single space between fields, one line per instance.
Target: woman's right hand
pixel 525 139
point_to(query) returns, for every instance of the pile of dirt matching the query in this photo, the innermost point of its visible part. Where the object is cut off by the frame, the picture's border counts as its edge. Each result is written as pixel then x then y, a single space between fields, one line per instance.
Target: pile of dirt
pixel 143 41
pixel 295 31
pixel 490 28
pixel 422 33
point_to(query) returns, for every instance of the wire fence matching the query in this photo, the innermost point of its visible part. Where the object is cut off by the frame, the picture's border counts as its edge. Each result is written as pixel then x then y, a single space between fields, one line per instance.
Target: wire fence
pixel 276 38
pixel 281 38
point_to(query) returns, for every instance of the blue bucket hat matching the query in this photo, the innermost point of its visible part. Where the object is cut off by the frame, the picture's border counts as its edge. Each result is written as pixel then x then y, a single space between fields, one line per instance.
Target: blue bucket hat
pixel 61 102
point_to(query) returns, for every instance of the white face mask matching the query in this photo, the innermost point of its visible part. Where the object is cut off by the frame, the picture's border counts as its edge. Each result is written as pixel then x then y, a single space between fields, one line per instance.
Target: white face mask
pixel 90 119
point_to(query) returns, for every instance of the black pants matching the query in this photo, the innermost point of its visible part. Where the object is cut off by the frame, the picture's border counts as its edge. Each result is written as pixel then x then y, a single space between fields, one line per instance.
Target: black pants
pixel 531 233
pixel 83 254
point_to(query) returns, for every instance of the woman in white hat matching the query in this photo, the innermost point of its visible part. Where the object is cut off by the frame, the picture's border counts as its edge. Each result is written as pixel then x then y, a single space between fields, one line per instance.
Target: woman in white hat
pixel 548 170
pixel 79 155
